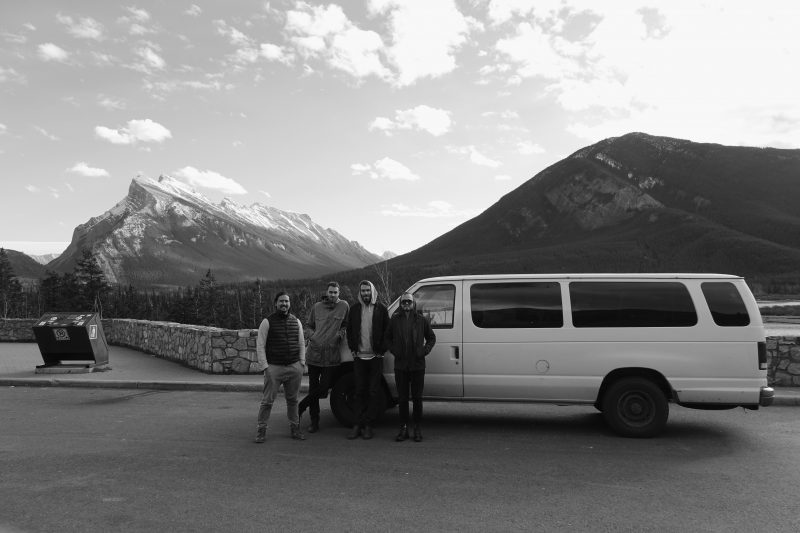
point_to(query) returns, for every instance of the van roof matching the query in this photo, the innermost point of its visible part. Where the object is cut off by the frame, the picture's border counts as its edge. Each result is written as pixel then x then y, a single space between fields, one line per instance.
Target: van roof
pixel 615 276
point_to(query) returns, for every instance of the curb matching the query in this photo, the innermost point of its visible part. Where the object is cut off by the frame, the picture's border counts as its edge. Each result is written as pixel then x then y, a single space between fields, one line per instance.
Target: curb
pixel 149 385
pixel 789 398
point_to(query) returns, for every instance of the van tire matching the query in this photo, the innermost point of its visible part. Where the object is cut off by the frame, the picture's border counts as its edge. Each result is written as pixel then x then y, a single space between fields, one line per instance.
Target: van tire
pixel 635 407
pixel 342 399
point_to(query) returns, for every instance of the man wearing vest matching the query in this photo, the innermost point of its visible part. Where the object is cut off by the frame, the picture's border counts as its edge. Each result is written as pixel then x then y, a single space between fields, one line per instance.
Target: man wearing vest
pixel 281 351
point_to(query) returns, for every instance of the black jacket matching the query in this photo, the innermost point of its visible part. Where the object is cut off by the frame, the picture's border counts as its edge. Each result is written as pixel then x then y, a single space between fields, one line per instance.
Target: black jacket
pixel 409 354
pixel 380 321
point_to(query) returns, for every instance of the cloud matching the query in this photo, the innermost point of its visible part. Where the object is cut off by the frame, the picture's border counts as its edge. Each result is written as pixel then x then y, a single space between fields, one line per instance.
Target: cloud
pixel 9 74
pixel 425 36
pixel 433 209
pixel 273 52
pixel 151 58
pixel 85 28
pixel 325 33
pixel 437 122
pixel 194 10
pixel 110 103
pixel 529 148
pixel 475 156
pixel 32 188
pixel 52 52
pixel 136 131
pixel 139 14
pixel 265 193
pixel 46 133
pixel 85 170
pixel 3 129
pixel 385 168
pixel 210 180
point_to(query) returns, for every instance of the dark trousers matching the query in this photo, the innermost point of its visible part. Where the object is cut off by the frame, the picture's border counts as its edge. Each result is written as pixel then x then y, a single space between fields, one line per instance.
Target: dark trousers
pixel 412 381
pixel 367 374
pixel 319 381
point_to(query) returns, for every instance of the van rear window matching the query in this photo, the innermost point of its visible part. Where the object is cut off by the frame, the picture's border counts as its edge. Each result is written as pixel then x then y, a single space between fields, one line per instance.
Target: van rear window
pixel 625 304
pixel 516 305
pixel 725 303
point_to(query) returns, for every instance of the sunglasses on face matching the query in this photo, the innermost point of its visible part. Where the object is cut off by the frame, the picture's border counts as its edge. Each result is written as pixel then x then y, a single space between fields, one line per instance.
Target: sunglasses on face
pixel 404 302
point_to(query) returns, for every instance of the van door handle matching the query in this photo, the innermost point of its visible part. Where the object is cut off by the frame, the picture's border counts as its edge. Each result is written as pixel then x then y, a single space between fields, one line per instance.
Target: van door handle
pixel 455 352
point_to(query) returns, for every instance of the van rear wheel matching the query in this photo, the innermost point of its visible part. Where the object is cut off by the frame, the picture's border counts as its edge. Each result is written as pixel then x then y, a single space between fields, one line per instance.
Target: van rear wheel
pixel 635 407
pixel 342 401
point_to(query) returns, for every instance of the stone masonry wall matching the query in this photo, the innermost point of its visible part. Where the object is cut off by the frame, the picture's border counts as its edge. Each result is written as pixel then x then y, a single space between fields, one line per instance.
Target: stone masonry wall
pixel 225 351
pixel 211 350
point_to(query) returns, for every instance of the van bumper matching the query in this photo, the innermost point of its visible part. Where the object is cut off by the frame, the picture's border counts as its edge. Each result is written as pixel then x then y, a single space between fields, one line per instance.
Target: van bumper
pixel 766 397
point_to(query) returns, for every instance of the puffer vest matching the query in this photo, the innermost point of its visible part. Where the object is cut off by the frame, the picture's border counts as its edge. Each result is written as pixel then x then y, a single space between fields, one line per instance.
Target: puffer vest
pixel 283 339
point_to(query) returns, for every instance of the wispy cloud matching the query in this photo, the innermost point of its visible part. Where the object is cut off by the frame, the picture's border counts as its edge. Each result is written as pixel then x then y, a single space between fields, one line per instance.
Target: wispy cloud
pixel 46 133
pixel 136 131
pixel 433 209
pixel 210 180
pixel 52 52
pixel 85 28
pixel 194 10
pixel 435 121
pixel 85 170
pixel 475 156
pixel 385 168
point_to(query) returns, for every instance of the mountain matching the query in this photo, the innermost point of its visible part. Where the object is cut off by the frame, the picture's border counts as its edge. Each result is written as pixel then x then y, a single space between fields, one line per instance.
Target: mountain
pixel 164 233
pixel 25 268
pixel 637 203
pixel 44 259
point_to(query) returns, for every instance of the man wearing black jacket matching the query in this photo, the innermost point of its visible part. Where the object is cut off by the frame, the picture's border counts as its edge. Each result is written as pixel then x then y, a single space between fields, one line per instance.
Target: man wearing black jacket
pixel 366 327
pixel 410 338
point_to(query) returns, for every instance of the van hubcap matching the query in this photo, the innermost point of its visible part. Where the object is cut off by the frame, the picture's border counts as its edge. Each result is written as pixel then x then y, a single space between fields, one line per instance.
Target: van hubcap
pixel 636 408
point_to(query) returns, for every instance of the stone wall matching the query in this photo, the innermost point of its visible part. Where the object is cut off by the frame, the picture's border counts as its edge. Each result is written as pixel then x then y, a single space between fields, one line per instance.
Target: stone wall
pixel 225 351
pixel 783 361
pixel 212 350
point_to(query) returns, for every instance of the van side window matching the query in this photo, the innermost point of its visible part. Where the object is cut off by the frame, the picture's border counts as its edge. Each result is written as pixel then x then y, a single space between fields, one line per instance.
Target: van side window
pixel 725 303
pixel 437 302
pixel 624 304
pixel 516 305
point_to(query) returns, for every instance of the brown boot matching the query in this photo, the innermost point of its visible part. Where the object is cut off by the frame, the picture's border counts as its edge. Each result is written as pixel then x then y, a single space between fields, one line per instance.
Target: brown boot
pixel 402 434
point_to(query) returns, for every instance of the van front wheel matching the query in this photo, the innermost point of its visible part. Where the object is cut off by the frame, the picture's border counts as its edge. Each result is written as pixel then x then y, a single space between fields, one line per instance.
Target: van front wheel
pixel 635 407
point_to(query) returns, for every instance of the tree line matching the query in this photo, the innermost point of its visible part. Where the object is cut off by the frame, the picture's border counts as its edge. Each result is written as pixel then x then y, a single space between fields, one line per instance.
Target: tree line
pixel 208 303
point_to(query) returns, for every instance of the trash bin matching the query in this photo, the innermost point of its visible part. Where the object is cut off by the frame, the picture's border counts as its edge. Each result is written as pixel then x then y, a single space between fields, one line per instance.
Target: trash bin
pixel 73 337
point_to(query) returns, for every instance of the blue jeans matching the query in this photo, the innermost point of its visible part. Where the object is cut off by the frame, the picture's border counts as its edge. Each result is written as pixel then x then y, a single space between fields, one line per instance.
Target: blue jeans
pixel 274 376
pixel 367 374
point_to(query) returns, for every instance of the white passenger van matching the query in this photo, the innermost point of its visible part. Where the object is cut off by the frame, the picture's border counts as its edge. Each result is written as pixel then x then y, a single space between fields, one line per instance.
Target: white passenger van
pixel 627 344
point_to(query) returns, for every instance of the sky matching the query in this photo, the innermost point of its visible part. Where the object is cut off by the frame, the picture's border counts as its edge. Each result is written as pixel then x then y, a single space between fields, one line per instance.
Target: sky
pixel 390 121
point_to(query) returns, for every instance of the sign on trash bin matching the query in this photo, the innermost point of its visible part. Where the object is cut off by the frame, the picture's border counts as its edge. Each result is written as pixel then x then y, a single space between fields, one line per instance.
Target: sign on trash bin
pixel 73 337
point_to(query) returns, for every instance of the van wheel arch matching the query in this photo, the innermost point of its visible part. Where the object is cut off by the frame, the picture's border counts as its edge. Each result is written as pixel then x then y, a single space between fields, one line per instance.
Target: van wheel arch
pixel 620 373
pixel 635 404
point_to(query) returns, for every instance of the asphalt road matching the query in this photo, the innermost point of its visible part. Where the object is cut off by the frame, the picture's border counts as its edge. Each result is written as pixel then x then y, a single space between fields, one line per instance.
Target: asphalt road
pixel 120 460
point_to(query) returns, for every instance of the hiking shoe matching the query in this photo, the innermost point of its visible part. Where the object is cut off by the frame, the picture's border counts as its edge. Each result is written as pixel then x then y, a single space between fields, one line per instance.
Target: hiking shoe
pixel 261 435
pixel 297 434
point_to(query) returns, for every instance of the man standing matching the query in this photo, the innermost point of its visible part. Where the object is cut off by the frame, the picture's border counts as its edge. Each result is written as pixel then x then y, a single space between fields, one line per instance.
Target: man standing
pixel 366 327
pixel 280 349
pixel 410 338
pixel 328 321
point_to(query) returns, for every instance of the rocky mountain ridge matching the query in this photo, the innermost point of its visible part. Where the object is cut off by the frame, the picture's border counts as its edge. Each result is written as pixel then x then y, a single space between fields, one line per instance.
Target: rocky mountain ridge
pixel 165 233
pixel 637 203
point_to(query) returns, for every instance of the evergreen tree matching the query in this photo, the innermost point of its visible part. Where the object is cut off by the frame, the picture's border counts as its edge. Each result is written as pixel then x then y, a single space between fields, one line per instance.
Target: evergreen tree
pixel 207 300
pixel 91 282
pixel 10 289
